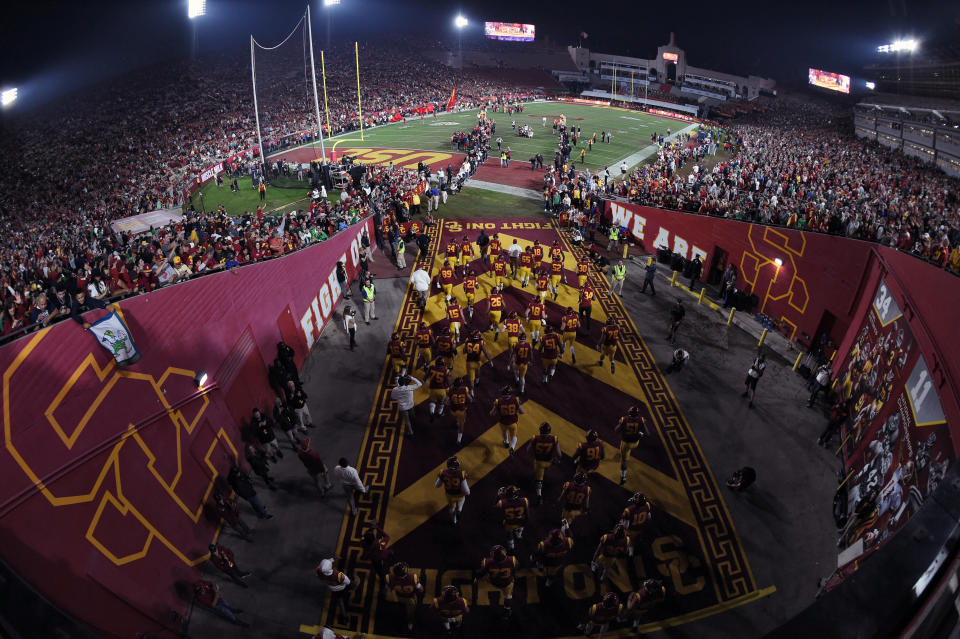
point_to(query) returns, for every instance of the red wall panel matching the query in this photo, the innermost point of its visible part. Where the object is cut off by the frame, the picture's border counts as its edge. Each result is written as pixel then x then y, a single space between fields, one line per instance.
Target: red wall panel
pixel 105 472
pixel 818 272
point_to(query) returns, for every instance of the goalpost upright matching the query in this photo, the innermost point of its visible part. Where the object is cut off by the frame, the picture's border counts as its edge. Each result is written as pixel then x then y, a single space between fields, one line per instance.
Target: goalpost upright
pixel 356 51
pixel 316 101
pixel 256 110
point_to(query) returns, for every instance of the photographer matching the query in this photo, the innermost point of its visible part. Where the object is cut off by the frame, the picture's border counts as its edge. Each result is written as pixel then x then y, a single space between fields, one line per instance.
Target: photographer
pixel 350 324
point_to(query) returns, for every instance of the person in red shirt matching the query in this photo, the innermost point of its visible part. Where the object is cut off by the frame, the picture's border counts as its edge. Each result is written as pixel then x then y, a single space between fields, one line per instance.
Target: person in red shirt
pixel 494 247
pixel 207 594
pixel 520 358
pixel 608 343
pixel 535 316
pixel 445 281
pixel 526 265
pixel 543 283
pixel 460 396
pixel 499 272
pixel 397 350
pixel 537 251
pixel 556 275
pixel 508 409
pixel 613 546
pixel 465 255
pixel 583 270
pixel 375 543
pixel 500 569
pixel 424 340
pixel 570 323
pixel 223 558
pixel 495 310
pixel 636 515
pixel 226 508
pixel 474 348
pixel 315 467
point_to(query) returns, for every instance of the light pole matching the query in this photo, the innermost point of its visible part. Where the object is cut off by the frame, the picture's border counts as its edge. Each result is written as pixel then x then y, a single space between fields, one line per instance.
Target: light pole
pixel 460 22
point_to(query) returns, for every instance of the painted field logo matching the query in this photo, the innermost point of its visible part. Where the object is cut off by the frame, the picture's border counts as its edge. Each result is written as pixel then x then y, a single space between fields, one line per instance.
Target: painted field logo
pixel 444 123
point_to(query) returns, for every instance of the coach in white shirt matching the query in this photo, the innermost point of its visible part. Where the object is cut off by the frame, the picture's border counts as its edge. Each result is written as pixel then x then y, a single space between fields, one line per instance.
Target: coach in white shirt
pixel 420 280
pixel 402 394
pixel 349 478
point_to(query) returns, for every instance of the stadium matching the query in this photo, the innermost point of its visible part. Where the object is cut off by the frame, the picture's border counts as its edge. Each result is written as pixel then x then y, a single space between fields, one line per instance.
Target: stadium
pixel 366 319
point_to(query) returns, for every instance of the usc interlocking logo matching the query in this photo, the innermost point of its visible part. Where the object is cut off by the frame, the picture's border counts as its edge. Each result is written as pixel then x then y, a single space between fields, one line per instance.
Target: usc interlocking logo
pixel 67 427
pixel 770 281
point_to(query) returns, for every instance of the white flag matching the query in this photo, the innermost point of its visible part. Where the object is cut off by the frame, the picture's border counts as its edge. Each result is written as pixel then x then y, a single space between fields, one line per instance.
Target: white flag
pixel 112 333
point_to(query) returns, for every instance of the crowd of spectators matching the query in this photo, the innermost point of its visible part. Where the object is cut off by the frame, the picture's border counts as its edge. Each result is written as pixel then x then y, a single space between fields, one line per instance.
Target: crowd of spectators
pixel 795 165
pixel 136 143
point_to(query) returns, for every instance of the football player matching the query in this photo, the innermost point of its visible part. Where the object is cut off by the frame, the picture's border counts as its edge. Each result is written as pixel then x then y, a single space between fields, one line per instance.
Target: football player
pixel 526 264
pixel 437 384
pixel 500 569
pixel 465 255
pixel 635 516
pixel 397 350
pixel 470 290
pixel 446 346
pixel 537 251
pixel 499 272
pixel 454 317
pixel 460 395
pixel 536 315
pixel 632 428
pixel 494 247
pixel 608 343
pixel 589 453
pixel 521 360
pixel 495 310
pixel 543 283
pixel 556 274
pixel 454 482
pixel 508 409
pixel 575 498
pixel 613 546
pixel 445 280
pixel 586 303
pixel 546 450
pixel 474 348
pixel 374 543
pixel 570 323
pixel 600 615
pixel 552 554
pixel 451 606
pixel 452 249
pixel 424 339
pixel 514 510
pixel 407 588
pixel 650 595
pixel 556 253
pixel 583 270
pixel 549 352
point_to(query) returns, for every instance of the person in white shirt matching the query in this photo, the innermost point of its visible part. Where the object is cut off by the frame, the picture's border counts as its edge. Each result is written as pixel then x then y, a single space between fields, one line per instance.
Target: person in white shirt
pixel 402 394
pixel 349 478
pixel 514 252
pixel 420 280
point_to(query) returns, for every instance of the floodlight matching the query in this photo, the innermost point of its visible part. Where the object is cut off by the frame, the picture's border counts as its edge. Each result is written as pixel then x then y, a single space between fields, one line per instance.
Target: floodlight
pixel 196 8
pixel 870 85
pixel 200 379
pixel 9 96
pixel 460 22
pixel 908 45
pixel 778 262
pixel 330 3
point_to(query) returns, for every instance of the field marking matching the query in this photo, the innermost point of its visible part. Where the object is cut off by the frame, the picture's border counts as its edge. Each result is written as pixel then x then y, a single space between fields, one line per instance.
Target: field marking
pixel 504 188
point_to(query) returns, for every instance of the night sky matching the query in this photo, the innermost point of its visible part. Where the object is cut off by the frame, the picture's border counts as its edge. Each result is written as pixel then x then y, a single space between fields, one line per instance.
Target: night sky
pixel 53 46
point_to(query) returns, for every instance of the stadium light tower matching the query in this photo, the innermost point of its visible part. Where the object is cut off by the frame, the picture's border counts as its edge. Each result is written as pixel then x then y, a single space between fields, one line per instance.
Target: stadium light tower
pixel 327 4
pixel 195 9
pixel 460 23
pixel 9 96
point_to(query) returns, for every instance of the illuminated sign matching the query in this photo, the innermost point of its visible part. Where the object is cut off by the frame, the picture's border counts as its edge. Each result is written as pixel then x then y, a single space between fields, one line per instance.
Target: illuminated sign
pixel 896 46
pixel 828 80
pixel 513 31
pixel 670 57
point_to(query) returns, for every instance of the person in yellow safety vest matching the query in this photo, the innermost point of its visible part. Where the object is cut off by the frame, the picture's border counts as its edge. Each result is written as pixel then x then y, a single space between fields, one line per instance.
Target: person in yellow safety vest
pixel 613 236
pixel 369 292
pixel 401 249
pixel 619 276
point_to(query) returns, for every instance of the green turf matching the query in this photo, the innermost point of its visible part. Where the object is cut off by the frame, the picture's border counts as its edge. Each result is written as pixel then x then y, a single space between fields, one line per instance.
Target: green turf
pixel 476 203
pixel 631 132
pixel 247 199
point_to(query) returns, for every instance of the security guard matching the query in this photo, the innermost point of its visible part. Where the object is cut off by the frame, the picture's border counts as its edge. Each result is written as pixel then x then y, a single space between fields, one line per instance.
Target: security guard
pixel 401 249
pixel 369 293
pixel 614 236
pixel 619 276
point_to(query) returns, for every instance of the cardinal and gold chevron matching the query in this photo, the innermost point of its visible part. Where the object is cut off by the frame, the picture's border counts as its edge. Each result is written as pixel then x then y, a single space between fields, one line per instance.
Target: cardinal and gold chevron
pixel 691 543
